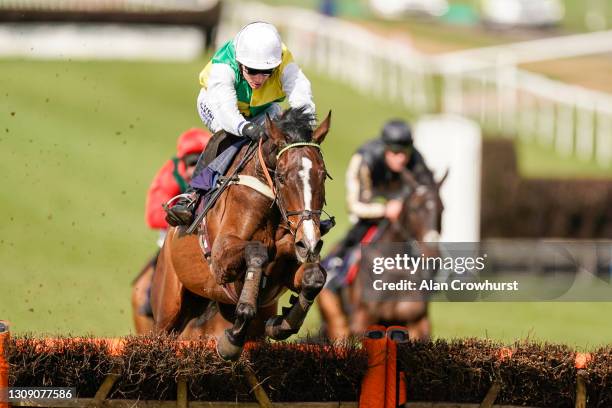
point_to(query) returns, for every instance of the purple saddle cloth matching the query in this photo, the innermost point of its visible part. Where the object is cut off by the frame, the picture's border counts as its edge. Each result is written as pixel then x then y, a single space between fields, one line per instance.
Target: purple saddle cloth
pixel 207 178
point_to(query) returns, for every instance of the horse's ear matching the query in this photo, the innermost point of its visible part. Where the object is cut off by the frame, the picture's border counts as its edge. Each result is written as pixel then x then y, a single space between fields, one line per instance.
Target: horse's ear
pixel 443 179
pixel 273 131
pixel 409 179
pixel 320 132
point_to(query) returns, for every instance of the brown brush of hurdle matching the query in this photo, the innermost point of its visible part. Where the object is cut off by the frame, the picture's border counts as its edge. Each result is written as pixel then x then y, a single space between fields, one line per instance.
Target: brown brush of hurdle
pixel 384 384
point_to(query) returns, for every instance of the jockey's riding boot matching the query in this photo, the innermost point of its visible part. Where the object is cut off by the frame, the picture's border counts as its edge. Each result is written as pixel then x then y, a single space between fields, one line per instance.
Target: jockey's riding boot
pixel 182 212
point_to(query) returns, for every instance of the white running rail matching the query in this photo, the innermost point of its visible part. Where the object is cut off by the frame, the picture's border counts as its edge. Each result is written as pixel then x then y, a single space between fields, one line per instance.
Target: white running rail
pixel 483 84
pixel 568 46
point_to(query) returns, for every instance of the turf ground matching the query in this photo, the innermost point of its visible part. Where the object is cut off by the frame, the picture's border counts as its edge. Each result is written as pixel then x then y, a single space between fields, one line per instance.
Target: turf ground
pixel 79 144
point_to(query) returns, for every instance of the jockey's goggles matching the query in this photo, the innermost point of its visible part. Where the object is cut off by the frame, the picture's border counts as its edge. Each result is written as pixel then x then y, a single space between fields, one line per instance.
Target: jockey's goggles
pixel 254 71
pixel 399 149
pixel 191 160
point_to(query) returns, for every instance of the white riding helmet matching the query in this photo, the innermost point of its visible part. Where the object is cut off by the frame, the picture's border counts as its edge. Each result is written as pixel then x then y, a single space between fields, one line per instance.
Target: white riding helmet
pixel 258 45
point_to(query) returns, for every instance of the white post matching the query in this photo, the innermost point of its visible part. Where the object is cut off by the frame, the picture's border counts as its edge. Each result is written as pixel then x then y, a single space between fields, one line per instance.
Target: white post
pixel 454 143
pixel 584 131
pixel 393 82
pixel 506 93
pixel 335 43
pixel 425 93
pixel 546 122
pixel 604 139
pixel 482 93
pixel 527 116
pixel 370 80
pixel 408 91
pixel 453 93
pixel 321 54
pixel 564 142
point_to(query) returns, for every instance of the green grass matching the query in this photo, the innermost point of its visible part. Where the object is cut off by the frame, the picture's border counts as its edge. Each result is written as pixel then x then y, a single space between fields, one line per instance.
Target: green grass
pixel 582 325
pixel 79 144
pixel 537 161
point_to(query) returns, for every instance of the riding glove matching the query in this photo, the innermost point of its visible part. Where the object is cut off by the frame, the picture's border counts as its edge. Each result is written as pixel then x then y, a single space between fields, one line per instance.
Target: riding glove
pixel 253 131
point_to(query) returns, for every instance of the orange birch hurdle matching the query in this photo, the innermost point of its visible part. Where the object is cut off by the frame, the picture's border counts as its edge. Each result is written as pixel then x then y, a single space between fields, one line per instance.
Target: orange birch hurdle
pixel 4 366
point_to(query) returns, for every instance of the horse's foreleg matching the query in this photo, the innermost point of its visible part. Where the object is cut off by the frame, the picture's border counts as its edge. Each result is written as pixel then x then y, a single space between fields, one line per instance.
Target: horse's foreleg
pixel 313 279
pixel 420 330
pixel 228 257
pixel 330 306
pixel 231 343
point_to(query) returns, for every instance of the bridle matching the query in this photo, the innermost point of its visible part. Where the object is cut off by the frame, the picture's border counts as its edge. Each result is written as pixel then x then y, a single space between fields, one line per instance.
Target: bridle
pixel 274 184
pixel 427 203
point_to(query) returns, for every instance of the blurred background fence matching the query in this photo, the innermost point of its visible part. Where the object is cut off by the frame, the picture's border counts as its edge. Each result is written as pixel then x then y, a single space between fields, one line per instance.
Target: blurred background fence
pixel 198 15
pixel 486 85
pixel 147 6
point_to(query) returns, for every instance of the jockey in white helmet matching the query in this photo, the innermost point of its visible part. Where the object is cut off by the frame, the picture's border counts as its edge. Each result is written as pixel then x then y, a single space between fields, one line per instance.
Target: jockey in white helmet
pixel 246 79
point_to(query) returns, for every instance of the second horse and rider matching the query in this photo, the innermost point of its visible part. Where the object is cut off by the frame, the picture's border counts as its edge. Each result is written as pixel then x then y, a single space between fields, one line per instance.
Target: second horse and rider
pixel 239 102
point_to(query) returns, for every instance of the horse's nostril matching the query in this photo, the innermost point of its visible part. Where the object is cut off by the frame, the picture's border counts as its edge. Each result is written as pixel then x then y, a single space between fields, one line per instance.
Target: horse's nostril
pixel 306 249
pixel 300 246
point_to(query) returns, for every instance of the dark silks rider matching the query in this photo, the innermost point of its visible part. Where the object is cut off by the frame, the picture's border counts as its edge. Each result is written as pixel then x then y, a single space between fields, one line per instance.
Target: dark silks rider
pixel 244 82
pixel 374 182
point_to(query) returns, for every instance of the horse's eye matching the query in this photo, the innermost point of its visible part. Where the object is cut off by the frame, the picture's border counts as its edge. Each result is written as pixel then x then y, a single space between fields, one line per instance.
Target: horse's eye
pixel 281 179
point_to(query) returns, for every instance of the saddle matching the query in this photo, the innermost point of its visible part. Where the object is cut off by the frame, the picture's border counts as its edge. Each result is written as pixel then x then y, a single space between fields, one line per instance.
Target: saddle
pixel 216 159
pixel 220 141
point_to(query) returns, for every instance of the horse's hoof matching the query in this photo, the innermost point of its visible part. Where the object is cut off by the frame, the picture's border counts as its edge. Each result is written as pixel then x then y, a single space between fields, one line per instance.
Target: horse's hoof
pixel 226 350
pixel 275 329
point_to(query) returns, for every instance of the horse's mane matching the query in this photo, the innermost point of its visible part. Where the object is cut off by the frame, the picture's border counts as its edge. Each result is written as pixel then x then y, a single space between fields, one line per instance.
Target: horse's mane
pixel 296 124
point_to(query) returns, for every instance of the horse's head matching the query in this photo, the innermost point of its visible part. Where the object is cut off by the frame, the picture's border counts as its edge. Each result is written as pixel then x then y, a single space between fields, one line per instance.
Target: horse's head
pixel 299 178
pixel 422 212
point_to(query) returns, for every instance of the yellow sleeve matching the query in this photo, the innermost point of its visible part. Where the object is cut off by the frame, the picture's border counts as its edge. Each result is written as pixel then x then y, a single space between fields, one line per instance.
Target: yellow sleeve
pixel 204 75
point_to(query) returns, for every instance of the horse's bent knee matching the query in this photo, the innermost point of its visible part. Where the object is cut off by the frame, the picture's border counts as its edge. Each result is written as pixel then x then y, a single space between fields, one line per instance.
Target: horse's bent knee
pixel 256 254
pixel 313 281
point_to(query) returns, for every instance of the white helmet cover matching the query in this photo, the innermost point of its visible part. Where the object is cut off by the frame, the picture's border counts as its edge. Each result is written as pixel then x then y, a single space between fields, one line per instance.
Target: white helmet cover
pixel 258 45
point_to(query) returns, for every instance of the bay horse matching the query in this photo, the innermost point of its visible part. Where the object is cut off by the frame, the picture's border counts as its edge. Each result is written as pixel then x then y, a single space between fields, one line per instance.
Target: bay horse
pixel 349 312
pixel 264 236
